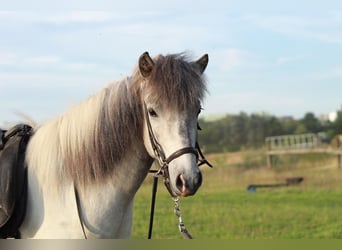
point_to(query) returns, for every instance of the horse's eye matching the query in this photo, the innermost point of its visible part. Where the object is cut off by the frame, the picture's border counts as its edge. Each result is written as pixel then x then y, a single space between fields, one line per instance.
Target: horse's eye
pixel 199 111
pixel 152 112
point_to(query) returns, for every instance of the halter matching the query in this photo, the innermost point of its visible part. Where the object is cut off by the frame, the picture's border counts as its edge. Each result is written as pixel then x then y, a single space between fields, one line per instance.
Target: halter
pixel 164 172
pixel 164 162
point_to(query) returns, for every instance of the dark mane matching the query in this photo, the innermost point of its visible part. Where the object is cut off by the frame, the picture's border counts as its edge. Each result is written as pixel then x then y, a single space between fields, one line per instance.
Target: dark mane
pixel 119 124
pixel 175 81
pixel 107 125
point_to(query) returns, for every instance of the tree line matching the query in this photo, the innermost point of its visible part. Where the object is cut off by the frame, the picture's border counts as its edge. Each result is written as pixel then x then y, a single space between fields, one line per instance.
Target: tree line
pixel 236 132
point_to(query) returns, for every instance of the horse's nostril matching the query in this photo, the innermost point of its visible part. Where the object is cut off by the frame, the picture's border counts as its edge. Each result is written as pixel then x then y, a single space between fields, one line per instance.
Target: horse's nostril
pixel 180 182
pixel 184 187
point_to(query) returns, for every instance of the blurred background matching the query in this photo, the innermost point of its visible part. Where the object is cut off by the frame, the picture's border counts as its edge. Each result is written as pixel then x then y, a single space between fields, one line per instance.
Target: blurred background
pixel 275 58
pixel 274 69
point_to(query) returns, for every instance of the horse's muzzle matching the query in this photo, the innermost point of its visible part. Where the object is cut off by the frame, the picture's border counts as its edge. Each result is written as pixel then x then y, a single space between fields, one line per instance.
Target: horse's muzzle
pixel 188 186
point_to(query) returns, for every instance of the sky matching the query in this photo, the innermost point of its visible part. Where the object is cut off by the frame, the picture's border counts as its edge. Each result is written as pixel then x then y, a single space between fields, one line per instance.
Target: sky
pixel 279 57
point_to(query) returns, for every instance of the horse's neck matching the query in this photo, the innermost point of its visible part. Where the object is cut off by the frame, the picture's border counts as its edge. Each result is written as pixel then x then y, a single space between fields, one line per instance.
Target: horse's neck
pixel 107 207
pixel 106 203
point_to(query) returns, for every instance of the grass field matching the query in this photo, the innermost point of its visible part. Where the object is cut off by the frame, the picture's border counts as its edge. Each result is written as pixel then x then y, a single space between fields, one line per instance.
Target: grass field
pixel 223 209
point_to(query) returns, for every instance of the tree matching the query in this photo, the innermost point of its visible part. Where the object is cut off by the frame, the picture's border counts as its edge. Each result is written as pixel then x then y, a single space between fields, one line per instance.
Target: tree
pixel 337 124
pixel 233 132
pixel 311 123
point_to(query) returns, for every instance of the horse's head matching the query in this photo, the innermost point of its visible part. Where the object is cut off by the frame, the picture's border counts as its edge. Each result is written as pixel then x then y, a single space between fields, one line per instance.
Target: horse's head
pixel 172 89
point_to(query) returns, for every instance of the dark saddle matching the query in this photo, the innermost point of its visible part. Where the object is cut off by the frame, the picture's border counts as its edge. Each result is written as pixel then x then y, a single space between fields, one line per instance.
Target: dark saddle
pixel 13 179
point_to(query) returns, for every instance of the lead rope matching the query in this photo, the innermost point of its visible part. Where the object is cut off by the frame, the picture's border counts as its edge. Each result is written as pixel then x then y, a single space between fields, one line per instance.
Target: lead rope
pixel 163 171
pixel 181 225
pixel 153 203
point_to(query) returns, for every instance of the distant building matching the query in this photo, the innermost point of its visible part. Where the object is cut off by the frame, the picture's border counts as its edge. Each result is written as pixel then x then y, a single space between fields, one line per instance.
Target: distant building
pixel 331 117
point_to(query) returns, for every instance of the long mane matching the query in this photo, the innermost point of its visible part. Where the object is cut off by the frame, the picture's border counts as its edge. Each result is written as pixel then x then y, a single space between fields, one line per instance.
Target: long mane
pixel 100 142
pixel 87 141
pixel 90 138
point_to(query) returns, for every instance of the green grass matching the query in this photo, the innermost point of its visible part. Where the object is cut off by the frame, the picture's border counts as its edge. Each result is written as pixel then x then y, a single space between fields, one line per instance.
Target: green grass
pixel 223 209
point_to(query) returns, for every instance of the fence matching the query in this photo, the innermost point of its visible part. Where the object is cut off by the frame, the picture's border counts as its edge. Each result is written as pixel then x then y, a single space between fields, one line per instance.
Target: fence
pixel 302 144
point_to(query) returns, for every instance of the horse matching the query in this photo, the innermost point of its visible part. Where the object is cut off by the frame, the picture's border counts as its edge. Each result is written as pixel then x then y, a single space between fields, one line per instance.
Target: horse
pixel 103 147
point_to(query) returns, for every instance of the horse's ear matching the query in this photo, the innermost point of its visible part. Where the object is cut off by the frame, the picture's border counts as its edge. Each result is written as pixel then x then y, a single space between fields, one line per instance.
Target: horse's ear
pixel 203 62
pixel 145 64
